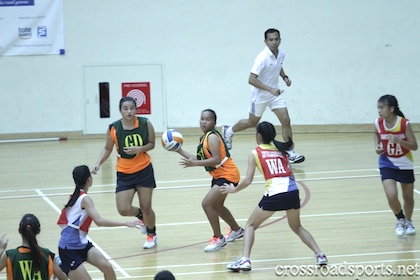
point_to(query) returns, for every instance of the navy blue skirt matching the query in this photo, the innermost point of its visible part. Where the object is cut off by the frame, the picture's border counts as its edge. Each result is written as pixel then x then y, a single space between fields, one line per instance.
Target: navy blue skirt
pixel 399 175
pixel 144 178
pixel 281 201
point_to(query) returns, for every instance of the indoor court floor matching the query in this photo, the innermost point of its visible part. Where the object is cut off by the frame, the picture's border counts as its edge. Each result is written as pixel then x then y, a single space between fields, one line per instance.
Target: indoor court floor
pixel 343 207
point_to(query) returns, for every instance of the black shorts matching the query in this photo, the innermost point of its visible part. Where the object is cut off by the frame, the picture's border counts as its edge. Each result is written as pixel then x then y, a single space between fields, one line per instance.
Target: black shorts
pixel 402 176
pixel 72 259
pixel 144 178
pixel 281 201
pixel 221 182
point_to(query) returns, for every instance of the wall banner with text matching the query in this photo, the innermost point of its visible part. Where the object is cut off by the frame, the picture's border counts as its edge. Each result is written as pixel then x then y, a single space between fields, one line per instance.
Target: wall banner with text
pixel 31 27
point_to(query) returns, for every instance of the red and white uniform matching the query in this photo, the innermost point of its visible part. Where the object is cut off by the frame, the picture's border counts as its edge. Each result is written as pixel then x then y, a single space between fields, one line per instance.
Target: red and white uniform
pixel 75 223
pixel 274 165
pixel 394 156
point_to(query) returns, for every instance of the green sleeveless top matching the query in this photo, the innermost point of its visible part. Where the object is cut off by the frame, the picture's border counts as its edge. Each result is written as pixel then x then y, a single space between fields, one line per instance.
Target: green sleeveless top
pixel 138 136
pixel 22 264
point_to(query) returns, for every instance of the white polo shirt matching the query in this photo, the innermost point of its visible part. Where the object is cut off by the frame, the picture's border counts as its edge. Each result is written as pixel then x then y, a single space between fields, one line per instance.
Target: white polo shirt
pixel 267 67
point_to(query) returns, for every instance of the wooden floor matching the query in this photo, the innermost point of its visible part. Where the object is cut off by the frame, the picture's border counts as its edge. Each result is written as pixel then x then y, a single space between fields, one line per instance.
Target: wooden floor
pixel 343 206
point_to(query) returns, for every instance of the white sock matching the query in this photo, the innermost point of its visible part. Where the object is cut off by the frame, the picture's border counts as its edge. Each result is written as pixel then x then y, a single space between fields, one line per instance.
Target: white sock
pixel 290 152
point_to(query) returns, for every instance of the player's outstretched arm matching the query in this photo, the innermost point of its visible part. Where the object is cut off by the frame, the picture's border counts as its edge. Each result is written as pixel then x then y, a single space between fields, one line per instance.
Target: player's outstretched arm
pixel 87 204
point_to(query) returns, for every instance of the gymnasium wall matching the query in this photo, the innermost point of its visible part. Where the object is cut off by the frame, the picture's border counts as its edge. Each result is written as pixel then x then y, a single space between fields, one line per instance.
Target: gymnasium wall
pixel 341 55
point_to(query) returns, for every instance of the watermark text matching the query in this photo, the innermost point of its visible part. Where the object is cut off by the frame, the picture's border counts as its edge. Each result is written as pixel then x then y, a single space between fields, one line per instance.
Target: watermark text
pixel 345 269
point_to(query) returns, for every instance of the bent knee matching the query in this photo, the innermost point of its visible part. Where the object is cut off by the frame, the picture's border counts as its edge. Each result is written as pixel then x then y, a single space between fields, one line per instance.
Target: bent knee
pixel 285 122
pixel 106 267
pixel 295 228
pixel 205 204
pixel 408 197
pixel 124 211
pixel 251 225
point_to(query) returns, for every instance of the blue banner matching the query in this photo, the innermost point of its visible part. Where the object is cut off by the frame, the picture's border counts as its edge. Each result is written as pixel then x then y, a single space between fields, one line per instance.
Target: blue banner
pixel 4 3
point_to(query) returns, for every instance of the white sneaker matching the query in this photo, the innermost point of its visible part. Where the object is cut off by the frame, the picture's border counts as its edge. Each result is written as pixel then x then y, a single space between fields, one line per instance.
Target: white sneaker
pixel 321 259
pixel 295 157
pixel 215 244
pixel 227 137
pixel 409 227
pixel 233 235
pixel 241 264
pixel 151 241
pixel 142 227
pixel 400 227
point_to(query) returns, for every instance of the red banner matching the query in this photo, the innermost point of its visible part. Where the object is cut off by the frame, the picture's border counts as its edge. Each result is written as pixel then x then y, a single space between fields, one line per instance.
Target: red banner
pixel 140 91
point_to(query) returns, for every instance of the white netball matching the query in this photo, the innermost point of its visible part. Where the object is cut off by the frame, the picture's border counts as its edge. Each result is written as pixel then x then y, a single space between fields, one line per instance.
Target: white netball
pixel 172 140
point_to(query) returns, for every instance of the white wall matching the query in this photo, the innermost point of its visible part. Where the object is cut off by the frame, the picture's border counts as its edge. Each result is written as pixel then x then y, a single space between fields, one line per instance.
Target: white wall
pixel 342 56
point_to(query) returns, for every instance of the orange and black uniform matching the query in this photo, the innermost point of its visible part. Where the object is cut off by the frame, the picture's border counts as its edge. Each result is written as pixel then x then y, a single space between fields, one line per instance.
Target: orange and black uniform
pixel 226 169
pixel 132 170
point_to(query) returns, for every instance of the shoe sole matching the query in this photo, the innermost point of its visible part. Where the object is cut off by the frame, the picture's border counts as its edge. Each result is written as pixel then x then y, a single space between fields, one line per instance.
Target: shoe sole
pixel 400 235
pixel 239 269
pixel 144 247
pixel 231 240
pixel 216 249
pixel 298 161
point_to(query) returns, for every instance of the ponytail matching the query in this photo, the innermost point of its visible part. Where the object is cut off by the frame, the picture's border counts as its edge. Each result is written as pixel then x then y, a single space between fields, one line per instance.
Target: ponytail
pixel 268 133
pixel 29 227
pixel 81 174
pixel 281 146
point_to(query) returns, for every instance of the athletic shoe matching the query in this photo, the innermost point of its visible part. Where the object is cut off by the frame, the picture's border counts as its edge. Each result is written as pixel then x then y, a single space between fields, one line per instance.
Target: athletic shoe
pixel 241 264
pixel 151 241
pixel 233 235
pixel 295 157
pixel 227 137
pixel 215 244
pixel 142 227
pixel 400 227
pixel 321 259
pixel 409 227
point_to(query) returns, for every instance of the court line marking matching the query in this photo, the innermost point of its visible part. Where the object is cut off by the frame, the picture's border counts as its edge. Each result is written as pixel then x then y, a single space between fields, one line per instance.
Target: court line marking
pixel 208 180
pixel 58 210
pixel 271 218
pixel 160 189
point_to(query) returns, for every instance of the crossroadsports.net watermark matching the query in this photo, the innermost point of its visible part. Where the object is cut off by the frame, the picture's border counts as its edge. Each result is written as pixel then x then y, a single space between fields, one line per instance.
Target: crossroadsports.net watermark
pixel 345 269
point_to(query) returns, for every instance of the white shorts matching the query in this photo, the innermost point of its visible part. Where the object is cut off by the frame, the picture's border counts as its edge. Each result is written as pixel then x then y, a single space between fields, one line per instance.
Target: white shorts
pixel 258 104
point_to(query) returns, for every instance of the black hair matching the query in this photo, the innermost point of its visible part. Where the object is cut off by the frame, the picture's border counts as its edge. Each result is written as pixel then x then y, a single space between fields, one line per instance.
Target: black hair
pixel 270 30
pixel 81 174
pixel 125 99
pixel 391 101
pixel 212 112
pixel 268 133
pixel 29 227
pixel 164 275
